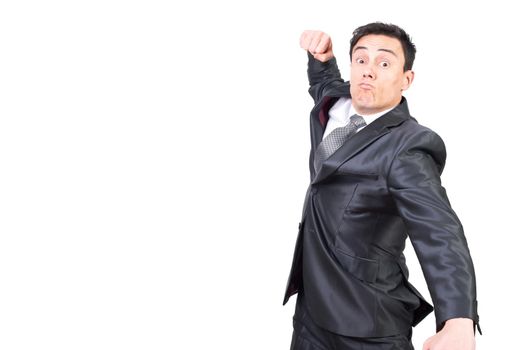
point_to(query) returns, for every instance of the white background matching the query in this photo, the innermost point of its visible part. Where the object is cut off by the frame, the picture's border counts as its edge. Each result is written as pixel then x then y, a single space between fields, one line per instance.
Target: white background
pixel 153 163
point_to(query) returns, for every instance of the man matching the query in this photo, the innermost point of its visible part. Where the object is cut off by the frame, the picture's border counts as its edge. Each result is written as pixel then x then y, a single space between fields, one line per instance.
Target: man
pixel 375 180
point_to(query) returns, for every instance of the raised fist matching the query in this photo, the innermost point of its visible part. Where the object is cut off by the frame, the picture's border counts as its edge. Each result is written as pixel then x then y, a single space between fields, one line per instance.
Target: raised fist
pixel 318 44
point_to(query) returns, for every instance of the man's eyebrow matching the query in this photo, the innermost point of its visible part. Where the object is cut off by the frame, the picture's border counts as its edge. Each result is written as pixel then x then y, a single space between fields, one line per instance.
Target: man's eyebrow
pixel 388 50
pixel 360 48
pixel 385 50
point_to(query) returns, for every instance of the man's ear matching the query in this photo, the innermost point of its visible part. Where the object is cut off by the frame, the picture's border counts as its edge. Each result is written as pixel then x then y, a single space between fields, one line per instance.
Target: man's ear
pixel 407 80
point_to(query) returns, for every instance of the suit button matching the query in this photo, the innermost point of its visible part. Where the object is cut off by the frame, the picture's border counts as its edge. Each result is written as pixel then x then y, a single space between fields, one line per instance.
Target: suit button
pixel 314 190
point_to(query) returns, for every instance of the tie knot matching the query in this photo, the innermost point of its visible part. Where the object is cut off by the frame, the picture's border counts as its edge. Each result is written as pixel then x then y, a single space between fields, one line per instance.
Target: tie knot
pixel 357 120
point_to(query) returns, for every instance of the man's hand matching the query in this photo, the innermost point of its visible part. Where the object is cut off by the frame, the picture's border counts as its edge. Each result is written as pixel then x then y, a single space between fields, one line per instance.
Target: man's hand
pixel 318 44
pixel 457 334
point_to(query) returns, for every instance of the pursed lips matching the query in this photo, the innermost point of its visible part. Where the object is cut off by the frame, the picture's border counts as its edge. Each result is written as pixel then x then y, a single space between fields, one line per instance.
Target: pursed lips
pixel 365 86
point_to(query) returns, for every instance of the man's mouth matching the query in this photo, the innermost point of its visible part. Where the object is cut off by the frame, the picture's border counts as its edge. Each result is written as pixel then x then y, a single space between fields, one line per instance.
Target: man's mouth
pixel 365 86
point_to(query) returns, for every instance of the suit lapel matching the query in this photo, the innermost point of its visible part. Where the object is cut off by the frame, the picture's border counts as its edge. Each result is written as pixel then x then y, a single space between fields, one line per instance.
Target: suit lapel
pixel 319 120
pixel 363 139
pixel 320 114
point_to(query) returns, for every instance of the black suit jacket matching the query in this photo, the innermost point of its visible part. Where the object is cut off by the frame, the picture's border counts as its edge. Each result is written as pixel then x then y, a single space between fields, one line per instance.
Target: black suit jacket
pixel 382 186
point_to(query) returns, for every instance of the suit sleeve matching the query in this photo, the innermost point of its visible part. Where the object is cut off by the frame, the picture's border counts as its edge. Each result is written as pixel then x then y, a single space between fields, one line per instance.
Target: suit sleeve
pixel 433 227
pixel 322 75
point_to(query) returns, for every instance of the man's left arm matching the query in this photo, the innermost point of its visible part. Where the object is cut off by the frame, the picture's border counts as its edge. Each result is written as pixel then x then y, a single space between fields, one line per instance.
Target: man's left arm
pixel 438 238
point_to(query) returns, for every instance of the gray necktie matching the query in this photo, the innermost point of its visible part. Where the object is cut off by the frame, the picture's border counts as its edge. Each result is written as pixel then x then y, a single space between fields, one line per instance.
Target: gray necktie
pixel 336 138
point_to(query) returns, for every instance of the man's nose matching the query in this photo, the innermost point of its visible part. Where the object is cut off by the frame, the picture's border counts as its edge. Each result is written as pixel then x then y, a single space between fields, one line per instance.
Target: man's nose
pixel 368 73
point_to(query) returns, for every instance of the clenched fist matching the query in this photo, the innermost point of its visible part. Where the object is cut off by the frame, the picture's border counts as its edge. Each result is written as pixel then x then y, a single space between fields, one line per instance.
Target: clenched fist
pixel 318 44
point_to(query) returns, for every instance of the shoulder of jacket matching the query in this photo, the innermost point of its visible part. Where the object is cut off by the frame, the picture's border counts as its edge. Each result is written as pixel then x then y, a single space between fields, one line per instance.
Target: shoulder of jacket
pixel 411 127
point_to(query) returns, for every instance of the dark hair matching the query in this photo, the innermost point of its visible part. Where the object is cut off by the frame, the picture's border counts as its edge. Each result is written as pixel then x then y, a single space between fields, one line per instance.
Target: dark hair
pixel 390 30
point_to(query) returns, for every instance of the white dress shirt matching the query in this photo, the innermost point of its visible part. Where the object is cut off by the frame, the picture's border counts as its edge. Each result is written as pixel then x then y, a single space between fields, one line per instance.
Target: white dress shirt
pixel 341 111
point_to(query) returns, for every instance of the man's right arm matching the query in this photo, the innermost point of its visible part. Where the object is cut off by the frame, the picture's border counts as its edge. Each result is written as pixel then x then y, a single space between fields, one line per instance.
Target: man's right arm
pixel 322 66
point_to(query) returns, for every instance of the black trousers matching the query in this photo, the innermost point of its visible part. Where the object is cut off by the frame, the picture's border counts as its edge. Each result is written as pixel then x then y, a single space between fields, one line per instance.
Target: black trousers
pixel 308 336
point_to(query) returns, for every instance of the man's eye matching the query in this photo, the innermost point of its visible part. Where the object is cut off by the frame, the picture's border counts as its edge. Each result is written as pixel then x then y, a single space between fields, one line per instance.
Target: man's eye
pixel 384 64
pixel 360 60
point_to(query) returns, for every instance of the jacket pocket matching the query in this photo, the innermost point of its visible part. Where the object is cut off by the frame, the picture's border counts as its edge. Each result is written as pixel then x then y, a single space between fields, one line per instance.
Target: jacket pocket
pixel 356 174
pixel 362 268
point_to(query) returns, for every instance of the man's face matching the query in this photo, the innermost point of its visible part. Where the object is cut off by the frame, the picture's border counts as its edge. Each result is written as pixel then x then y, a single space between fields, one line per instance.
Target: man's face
pixel 377 74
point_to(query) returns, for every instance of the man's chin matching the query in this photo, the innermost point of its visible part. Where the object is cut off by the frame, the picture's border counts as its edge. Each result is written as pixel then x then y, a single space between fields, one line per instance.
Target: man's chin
pixel 365 108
